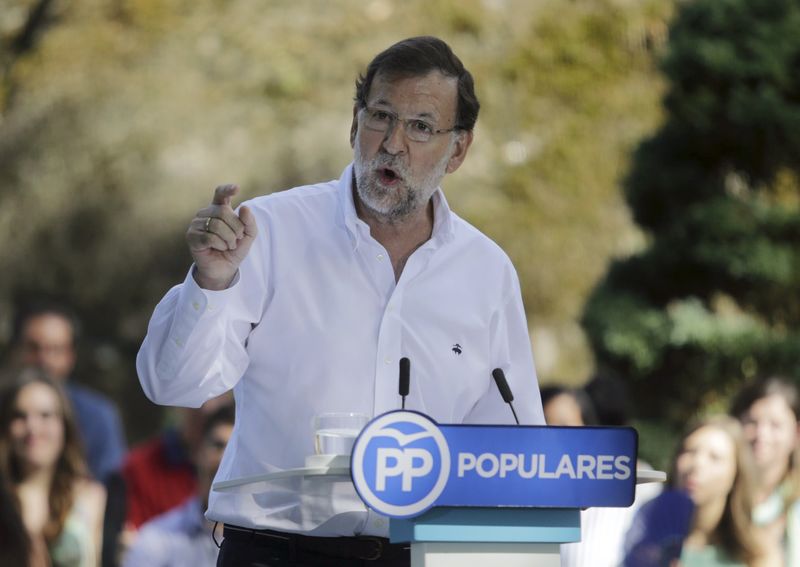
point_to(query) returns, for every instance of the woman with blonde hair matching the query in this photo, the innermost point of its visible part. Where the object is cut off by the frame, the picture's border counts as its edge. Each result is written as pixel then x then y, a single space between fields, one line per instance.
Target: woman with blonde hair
pixel 41 457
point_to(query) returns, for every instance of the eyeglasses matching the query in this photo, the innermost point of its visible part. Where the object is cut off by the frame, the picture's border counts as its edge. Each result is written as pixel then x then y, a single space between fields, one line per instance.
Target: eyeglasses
pixel 379 120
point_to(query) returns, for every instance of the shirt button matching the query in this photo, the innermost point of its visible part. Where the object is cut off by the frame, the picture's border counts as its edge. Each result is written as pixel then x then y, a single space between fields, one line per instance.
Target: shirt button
pixel 379 256
pixel 196 306
pixel 178 342
pixel 387 360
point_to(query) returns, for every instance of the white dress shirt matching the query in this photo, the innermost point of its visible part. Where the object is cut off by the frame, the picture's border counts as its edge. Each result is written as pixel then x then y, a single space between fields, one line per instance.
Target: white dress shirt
pixel 314 322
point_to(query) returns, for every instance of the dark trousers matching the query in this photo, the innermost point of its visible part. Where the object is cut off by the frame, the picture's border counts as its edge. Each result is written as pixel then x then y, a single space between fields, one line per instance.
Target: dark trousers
pixel 242 547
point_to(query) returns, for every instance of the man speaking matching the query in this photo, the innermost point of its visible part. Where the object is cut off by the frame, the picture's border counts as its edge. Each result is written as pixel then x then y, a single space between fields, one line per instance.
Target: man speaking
pixel 304 301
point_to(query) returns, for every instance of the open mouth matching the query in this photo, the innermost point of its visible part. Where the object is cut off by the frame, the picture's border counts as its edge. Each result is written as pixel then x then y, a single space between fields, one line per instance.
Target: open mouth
pixel 388 175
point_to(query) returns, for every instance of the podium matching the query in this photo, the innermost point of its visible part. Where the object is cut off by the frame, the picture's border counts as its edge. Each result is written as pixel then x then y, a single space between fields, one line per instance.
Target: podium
pixel 510 537
pixel 481 495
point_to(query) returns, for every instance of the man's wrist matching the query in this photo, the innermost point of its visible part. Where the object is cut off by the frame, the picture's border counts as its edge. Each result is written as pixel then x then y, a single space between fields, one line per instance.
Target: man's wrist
pixel 211 283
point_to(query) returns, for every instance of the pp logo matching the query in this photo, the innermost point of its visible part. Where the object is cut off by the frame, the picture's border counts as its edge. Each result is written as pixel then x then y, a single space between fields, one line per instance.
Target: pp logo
pixel 400 464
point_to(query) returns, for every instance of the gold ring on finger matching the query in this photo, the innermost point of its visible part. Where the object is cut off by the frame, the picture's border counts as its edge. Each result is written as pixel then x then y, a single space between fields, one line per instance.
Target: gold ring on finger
pixel 208 224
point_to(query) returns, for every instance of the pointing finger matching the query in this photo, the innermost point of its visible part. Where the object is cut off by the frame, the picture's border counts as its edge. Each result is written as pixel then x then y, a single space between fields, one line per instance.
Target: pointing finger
pixel 224 193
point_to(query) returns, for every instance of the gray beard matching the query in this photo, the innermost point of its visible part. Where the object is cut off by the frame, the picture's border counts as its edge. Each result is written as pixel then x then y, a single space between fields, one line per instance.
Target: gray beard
pixel 388 203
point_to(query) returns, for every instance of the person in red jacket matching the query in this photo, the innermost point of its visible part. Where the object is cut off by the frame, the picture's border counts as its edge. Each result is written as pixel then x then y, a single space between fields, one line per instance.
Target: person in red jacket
pixel 159 474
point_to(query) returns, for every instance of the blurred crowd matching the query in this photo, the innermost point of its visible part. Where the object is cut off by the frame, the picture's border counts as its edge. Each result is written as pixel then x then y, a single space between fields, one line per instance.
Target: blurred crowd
pixel 72 494
pixel 731 496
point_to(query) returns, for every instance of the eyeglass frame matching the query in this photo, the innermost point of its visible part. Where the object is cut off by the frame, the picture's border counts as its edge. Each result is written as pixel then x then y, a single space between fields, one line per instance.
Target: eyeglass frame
pixel 395 118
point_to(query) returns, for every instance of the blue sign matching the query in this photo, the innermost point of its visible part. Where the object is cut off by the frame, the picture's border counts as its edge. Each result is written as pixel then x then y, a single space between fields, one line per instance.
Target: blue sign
pixel 404 463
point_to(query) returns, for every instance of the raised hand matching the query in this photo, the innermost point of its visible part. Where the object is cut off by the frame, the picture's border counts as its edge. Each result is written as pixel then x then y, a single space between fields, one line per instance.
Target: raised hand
pixel 219 239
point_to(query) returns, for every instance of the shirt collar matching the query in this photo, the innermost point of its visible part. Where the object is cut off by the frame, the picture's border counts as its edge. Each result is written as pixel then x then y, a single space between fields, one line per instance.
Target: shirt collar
pixel 443 226
pixel 347 205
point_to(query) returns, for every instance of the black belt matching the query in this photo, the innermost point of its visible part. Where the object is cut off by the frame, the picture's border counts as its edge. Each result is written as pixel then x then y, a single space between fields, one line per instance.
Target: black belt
pixel 363 548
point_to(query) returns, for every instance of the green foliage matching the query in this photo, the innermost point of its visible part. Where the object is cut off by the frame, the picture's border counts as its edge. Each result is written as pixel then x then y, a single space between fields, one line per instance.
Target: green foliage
pixel 657 443
pixel 712 299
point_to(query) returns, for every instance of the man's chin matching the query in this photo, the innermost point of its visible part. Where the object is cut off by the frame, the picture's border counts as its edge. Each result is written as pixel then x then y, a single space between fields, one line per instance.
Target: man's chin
pixel 378 198
pixel 392 212
pixel 381 209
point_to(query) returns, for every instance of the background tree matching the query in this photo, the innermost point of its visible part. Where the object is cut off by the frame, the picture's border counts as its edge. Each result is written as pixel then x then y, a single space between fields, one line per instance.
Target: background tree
pixel 714 297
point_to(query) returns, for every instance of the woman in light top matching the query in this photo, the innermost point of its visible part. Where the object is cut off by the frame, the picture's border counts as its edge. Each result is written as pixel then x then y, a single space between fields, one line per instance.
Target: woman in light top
pixel 768 410
pixel 713 466
pixel 41 456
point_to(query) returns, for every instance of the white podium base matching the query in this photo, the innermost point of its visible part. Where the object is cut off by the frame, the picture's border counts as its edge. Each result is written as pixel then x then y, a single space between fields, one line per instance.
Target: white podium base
pixel 473 554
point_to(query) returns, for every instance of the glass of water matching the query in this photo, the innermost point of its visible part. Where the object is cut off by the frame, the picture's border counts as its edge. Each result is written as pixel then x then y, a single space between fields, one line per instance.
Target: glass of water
pixel 335 433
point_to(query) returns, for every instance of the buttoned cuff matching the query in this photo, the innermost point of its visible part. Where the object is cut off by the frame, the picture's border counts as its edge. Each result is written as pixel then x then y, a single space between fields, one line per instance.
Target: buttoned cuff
pixel 193 305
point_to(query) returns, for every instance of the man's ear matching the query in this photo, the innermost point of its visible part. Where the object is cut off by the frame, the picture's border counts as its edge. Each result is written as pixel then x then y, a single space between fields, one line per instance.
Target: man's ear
pixel 354 126
pixel 463 142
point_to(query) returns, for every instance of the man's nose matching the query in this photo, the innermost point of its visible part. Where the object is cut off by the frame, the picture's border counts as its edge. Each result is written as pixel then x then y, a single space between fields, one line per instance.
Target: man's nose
pixel 394 141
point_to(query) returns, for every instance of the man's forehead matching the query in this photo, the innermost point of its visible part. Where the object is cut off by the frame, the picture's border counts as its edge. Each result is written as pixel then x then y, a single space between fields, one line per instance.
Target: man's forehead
pixel 432 90
pixel 220 432
pixel 54 323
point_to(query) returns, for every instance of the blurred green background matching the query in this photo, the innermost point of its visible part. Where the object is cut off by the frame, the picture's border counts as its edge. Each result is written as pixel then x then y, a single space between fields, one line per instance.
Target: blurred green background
pixel 654 232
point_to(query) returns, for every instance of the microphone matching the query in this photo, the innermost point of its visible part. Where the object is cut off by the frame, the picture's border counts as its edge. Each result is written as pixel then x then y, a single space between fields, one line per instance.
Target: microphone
pixel 505 391
pixel 405 377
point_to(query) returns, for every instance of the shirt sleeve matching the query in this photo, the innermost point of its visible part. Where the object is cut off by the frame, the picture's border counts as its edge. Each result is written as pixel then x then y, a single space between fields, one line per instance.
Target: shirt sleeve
pixel 195 347
pixel 510 350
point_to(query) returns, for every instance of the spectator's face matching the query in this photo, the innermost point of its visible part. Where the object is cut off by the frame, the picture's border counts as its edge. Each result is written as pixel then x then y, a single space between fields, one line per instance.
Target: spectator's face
pixel 192 420
pixel 37 427
pixel 47 343
pixel 563 410
pixel 706 465
pixel 395 175
pixel 212 448
pixel 770 427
